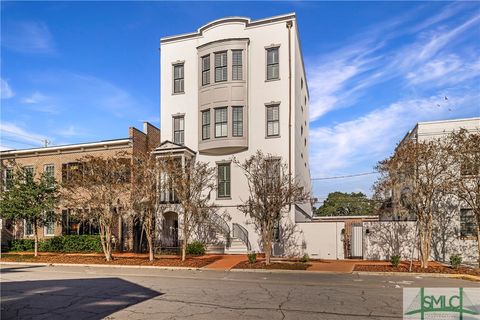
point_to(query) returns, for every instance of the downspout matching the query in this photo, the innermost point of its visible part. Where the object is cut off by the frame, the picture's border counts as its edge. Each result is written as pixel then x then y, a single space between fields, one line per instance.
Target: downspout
pixel 289 27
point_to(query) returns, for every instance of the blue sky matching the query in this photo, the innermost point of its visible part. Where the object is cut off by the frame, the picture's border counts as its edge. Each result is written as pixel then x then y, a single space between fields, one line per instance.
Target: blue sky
pixel 76 72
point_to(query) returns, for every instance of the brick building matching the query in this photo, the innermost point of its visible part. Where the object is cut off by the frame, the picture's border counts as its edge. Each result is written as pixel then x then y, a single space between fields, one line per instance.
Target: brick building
pixel 57 160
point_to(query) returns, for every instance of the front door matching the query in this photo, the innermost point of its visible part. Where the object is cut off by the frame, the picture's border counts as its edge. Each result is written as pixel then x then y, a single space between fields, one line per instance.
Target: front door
pixel 357 241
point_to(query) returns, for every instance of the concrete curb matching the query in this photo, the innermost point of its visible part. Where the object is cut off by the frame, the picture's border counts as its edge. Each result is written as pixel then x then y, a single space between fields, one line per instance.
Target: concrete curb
pixel 417 274
pixel 99 265
pixel 371 273
pixel 287 271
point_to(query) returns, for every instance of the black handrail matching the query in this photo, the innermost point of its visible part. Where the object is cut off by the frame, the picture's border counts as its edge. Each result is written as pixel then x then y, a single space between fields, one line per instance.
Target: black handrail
pixel 222 226
pixel 241 233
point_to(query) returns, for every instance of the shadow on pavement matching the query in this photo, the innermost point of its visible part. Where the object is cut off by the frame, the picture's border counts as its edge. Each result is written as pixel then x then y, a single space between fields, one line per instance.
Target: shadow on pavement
pixel 70 298
pixel 16 269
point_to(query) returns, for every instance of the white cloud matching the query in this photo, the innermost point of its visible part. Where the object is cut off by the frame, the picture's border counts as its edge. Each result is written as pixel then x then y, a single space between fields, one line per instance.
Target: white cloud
pixel 70 131
pixel 343 147
pixel 12 134
pixel 35 98
pixel 444 70
pixel 6 91
pixel 339 79
pixel 29 37
pixel 41 103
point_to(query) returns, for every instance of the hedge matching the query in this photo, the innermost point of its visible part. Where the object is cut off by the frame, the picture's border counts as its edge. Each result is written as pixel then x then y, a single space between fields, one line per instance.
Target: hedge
pixel 69 243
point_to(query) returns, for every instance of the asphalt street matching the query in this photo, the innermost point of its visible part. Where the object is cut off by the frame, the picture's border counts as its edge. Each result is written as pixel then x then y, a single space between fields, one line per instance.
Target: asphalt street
pixel 73 292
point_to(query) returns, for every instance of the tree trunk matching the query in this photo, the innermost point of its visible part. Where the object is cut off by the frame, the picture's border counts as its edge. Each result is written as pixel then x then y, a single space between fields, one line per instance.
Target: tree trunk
pixel 106 240
pixel 184 249
pixel 35 235
pixel 150 247
pixel 185 239
pixel 268 248
pixel 478 242
pixel 425 244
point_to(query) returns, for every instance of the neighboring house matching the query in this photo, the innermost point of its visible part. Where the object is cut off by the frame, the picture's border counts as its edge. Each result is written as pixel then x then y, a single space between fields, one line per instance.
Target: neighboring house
pixel 454 226
pixel 57 161
pixel 231 88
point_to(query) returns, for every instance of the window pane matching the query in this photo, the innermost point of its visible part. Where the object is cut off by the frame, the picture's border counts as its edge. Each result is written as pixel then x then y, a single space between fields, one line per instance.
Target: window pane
pixel 223 180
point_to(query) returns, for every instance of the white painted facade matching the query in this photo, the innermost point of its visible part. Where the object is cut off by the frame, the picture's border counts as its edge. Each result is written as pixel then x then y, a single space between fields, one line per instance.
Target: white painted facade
pixel 254 92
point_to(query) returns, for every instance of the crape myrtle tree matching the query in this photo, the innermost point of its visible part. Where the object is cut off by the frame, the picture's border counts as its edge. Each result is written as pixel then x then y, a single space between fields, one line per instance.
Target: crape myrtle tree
pixel 415 175
pixel 25 197
pixel 191 183
pixel 146 199
pixel 272 192
pixel 98 189
pixel 464 176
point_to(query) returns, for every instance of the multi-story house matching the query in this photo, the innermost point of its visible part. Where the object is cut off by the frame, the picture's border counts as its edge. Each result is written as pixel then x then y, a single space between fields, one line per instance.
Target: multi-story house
pixel 454 222
pixel 231 88
pixel 58 161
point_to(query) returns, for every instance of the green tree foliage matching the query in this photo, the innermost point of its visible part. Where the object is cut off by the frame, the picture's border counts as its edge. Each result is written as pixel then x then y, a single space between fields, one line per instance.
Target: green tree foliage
pixel 346 204
pixel 31 199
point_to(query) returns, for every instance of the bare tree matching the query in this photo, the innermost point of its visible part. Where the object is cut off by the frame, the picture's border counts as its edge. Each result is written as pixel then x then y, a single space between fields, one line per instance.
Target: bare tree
pixel 464 175
pixel 98 189
pixel 145 196
pixel 272 193
pixel 191 182
pixel 415 175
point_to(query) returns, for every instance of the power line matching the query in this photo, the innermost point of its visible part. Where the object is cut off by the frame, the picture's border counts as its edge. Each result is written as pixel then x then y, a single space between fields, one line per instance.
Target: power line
pixel 21 135
pixel 21 142
pixel 345 176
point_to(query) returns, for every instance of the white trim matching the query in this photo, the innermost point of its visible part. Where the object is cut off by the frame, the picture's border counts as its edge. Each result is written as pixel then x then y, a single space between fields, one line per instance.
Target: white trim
pixel 66 147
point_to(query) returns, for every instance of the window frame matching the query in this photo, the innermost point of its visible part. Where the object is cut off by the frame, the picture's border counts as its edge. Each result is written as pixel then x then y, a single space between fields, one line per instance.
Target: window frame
pixel 181 79
pixel 25 222
pixel 45 228
pixel 222 67
pixel 237 67
pixel 46 171
pixel 178 117
pixel 226 180
pixel 206 125
pixel 237 122
pixel 206 71
pixel 267 64
pixel 467 228
pixel 8 178
pixel 267 107
pixel 221 123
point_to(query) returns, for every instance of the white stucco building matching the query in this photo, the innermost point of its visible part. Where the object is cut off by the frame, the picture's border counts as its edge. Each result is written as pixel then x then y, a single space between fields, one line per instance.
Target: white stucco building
pixel 231 88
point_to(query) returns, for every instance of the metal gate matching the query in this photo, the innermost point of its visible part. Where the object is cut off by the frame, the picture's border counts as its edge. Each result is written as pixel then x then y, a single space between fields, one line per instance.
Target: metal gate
pixel 356 246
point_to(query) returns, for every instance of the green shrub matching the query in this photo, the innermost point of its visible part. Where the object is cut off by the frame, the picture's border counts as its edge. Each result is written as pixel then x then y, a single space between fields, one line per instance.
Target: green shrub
pixel 395 260
pixel 252 257
pixel 22 245
pixel 82 243
pixel 305 258
pixel 196 248
pixel 455 260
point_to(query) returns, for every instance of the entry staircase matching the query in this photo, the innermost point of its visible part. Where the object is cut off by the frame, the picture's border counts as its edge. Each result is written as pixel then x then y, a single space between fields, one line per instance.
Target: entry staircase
pixel 235 241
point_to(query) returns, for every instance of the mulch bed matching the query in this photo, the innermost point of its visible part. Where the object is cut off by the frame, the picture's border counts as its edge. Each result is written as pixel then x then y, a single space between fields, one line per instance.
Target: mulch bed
pixel 191 262
pixel 273 265
pixel 417 268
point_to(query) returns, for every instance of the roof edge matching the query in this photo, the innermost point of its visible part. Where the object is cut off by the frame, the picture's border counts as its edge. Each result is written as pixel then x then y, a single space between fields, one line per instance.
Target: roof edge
pixel 247 21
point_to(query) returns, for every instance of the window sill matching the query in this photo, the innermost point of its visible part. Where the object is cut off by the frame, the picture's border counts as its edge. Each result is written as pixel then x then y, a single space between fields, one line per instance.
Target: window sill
pixel 272 80
pixel 471 238
pixel 272 137
pixel 224 198
pixel 177 93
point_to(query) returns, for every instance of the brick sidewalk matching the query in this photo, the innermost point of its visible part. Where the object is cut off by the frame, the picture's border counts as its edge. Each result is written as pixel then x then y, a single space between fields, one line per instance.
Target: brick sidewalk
pixel 227 262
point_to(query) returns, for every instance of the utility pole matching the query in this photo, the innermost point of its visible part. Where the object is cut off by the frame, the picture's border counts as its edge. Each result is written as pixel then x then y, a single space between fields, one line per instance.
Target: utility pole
pixel 46 142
